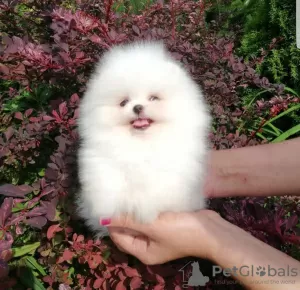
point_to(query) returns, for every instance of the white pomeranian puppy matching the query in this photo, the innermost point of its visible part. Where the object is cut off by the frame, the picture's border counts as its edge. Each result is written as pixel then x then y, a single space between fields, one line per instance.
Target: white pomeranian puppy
pixel 143 126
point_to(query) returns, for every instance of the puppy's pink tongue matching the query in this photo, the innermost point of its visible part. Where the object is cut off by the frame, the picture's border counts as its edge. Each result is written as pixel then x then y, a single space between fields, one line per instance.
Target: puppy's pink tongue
pixel 141 123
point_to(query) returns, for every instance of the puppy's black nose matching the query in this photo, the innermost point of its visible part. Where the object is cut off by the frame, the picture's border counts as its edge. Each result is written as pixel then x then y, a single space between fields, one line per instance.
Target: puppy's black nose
pixel 138 109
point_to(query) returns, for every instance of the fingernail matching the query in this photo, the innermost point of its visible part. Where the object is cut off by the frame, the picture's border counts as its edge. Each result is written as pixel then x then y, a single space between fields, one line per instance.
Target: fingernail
pixel 105 221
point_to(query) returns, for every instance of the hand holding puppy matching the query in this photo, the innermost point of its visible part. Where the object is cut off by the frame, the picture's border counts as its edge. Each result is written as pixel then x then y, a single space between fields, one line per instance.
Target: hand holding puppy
pixel 170 236
pixel 245 171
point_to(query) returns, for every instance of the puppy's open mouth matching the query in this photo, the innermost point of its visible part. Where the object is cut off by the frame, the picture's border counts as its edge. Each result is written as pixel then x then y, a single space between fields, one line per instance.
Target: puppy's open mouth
pixel 141 123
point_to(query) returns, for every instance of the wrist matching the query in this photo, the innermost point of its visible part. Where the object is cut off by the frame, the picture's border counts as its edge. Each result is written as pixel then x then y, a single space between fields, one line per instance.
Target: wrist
pixel 222 238
pixel 208 232
pixel 228 173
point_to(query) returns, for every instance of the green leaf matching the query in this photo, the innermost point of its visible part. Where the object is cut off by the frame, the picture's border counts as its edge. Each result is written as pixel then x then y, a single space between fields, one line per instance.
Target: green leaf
pixel 296 107
pixel 291 91
pixel 58 239
pixel 42 172
pixel 106 254
pixel 29 280
pixel 270 132
pixel 261 136
pixel 276 130
pixel 19 206
pixel 71 271
pixel 254 98
pixel 287 134
pixel 21 251
pixel 33 264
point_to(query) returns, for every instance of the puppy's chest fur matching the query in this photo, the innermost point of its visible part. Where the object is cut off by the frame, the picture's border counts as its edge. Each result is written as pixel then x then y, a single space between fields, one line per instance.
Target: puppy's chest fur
pixel 140 176
pixel 149 168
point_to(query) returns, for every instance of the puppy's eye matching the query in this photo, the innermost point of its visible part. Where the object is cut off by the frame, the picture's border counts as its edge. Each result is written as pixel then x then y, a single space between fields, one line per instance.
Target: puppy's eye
pixel 124 102
pixel 153 98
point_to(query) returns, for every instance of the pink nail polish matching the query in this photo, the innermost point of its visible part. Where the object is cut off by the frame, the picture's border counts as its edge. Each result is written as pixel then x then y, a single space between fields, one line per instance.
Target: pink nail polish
pixel 105 222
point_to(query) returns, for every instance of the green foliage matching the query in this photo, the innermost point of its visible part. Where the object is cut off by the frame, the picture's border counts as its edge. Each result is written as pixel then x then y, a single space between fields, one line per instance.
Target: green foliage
pixel 131 6
pixel 21 251
pixel 292 131
pixel 265 31
pixel 279 128
pixel 260 22
pixel 37 97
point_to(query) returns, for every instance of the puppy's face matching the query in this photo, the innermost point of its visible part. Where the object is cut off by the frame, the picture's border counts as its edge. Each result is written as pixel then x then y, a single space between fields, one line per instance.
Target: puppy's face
pixel 142 101
pixel 141 112
pixel 141 91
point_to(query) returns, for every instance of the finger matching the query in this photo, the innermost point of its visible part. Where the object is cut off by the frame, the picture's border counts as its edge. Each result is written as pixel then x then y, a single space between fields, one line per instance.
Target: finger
pixel 112 237
pixel 121 249
pixel 130 241
pixel 125 221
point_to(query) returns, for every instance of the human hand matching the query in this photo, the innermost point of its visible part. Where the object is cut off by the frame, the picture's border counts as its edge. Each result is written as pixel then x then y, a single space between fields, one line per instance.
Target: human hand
pixel 169 237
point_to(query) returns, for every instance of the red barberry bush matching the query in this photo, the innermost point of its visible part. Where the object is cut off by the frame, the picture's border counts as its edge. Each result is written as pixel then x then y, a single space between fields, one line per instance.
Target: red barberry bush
pixel 48 49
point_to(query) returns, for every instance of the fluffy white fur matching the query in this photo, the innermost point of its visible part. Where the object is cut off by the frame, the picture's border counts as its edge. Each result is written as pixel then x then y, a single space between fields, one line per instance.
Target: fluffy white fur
pixel 141 172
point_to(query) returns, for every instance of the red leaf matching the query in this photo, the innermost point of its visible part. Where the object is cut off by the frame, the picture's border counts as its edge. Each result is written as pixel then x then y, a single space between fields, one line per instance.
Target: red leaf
pixel 95 38
pixel 98 283
pixel 57 117
pixel 80 238
pixel 131 272
pixel 68 255
pixel 48 279
pixel 20 69
pixel 120 286
pixel 76 114
pixel 37 222
pixel 293 239
pixel 34 119
pixel 79 54
pixel 9 132
pixel 4 69
pixel 28 112
pixel 68 230
pixel 6 255
pixel 52 230
pixel 26 188
pixel 50 208
pixel 51 174
pixel 136 283
pixel 74 98
pixel 121 275
pixel 71 122
pixel 64 46
pixel 160 279
pixel 136 29
pixel 63 110
pixel 94 261
pixel 14 191
pixel 292 222
pixel 5 210
pixel 19 116
pixel 112 34
pixel 48 118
